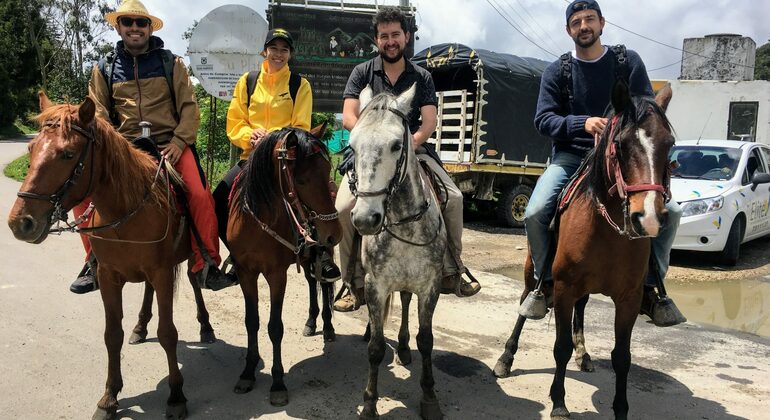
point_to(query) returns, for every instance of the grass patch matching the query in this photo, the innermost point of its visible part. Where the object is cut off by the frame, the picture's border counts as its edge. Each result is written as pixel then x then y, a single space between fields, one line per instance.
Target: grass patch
pixel 18 168
pixel 15 131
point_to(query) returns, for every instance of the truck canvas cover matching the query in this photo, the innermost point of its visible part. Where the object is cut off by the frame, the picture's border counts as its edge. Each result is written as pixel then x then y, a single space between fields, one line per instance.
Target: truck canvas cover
pixel 508 87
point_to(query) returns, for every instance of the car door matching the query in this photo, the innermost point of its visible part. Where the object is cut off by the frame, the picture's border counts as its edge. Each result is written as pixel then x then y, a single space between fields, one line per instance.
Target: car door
pixel 757 216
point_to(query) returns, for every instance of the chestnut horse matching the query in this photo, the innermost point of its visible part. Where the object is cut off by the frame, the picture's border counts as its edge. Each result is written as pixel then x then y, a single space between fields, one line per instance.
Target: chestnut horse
pixel 604 238
pixel 78 155
pixel 282 199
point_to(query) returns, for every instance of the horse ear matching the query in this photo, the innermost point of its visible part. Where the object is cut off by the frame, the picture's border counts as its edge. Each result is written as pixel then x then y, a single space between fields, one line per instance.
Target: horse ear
pixel 621 96
pixel 87 111
pixel 43 100
pixel 664 97
pixel 319 130
pixel 404 100
pixel 364 98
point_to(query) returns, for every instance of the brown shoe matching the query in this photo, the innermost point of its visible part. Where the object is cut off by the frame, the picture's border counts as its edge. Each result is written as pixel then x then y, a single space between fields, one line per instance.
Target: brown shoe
pixel 454 283
pixel 350 302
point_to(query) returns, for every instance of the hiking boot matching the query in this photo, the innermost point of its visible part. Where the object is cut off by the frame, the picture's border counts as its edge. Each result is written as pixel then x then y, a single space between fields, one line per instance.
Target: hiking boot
pixel 211 277
pixel 350 302
pixel 86 281
pixel 661 310
pixel 329 271
pixel 454 283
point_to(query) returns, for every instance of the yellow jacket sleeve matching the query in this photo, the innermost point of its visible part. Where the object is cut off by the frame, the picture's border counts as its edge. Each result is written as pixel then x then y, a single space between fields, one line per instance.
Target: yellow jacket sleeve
pixel 98 92
pixel 303 106
pixel 186 132
pixel 238 127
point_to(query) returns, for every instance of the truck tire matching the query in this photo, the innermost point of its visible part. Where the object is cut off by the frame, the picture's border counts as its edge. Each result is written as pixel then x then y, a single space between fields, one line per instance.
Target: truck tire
pixel 732 251
pixel 511 206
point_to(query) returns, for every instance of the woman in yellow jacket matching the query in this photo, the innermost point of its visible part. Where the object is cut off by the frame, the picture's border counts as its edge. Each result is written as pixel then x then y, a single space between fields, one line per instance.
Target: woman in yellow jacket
pixel 272 106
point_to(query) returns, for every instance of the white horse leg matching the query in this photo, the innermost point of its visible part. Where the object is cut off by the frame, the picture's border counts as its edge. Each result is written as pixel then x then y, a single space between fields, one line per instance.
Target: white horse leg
pixel 403 354
pixel 377 306
pixel 429 406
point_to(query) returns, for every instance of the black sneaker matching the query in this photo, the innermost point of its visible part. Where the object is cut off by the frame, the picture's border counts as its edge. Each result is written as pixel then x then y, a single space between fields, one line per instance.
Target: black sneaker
pixel 214 279
pixel 329 271
pixel 86 281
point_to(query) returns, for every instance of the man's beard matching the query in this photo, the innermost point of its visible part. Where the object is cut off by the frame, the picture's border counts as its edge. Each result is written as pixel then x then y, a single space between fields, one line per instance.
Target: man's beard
pixel 586 44
pixel 396 59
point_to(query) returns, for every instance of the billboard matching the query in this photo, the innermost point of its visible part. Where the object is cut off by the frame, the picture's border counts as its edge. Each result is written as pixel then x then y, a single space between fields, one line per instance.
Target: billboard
pixel 328 43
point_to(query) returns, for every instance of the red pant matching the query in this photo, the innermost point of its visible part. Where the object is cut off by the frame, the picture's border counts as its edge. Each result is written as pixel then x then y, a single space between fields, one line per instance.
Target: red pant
pixel 201 209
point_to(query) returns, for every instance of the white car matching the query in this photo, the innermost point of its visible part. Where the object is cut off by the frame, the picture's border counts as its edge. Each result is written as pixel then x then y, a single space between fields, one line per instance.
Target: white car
pixel 722 186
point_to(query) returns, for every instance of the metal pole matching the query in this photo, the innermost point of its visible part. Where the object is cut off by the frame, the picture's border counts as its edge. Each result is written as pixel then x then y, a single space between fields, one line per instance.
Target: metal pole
pixel 211 134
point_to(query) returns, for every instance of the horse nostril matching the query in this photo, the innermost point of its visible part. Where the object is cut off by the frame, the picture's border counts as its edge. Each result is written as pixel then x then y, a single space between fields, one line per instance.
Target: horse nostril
pixel 376 218
pixel 27 225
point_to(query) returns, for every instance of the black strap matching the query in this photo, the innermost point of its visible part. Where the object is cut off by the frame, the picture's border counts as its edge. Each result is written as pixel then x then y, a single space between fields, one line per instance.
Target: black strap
pixel 168 71
pixel 565 70
pixel 295 80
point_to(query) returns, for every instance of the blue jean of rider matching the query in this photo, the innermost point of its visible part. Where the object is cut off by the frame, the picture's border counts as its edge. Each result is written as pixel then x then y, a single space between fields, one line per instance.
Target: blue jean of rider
pixel 542 208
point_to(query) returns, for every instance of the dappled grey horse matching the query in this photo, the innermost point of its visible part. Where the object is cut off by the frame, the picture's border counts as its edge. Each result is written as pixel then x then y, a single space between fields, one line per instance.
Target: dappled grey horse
pixel 403 232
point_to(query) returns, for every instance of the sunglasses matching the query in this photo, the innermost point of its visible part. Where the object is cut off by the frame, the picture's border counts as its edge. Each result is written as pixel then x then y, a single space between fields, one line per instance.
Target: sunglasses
pixel 128 21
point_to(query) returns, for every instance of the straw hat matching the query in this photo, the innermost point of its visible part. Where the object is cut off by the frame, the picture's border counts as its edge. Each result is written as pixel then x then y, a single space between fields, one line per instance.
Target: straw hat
pixel 132 8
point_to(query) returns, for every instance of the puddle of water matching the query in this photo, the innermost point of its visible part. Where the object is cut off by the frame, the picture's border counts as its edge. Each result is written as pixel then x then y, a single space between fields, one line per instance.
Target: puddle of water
pixel 741 305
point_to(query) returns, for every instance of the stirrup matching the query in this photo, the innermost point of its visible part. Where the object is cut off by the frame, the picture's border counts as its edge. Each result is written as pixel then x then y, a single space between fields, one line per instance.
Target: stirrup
pixel 534 306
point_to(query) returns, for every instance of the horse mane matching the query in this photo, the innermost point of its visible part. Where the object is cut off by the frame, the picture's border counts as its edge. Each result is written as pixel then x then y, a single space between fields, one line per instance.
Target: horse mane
pixel 122 164
pixel 380 102
pixel 639 109
pixel 256 187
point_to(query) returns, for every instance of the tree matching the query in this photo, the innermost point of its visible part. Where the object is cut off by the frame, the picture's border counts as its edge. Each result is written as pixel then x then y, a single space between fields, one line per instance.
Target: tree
pixel 762 63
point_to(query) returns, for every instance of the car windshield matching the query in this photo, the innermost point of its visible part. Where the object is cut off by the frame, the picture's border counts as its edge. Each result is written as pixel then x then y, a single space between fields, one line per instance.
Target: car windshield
pixel 705 162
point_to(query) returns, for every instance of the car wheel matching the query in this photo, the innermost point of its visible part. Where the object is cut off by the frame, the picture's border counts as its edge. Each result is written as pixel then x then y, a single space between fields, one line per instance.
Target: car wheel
pixel 513 203
pixel 731 252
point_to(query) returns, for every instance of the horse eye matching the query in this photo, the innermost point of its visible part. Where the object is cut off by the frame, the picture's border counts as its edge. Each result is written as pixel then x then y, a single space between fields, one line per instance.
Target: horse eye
pixel 67 155
pixel 396 147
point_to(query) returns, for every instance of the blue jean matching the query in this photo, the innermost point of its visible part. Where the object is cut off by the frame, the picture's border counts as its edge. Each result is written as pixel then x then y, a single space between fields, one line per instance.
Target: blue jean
pixel 542 208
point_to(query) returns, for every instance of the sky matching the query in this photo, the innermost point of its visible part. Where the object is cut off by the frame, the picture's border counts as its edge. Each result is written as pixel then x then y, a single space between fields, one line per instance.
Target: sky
pixel 479 24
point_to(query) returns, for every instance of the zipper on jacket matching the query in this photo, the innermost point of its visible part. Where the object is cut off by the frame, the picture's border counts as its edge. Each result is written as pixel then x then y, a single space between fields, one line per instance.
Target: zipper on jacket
pixel 138 88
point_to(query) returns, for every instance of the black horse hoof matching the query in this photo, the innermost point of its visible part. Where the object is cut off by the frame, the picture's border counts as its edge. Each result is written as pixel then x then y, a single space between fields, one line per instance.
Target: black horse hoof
pixel 369 415
pixel 585 363
pixel 102 414
pixel 559 413
pixel 329 336
pixel 502 369
pixel 403 357
pixel 243 386
pixel 308 331
pixel 176 411
pixel 279 398
pixel 137 337
pixel 208 337
pixel 430 410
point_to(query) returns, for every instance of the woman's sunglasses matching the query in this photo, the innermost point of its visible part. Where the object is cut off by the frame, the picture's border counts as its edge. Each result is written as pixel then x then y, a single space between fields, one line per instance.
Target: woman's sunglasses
pixel 128 21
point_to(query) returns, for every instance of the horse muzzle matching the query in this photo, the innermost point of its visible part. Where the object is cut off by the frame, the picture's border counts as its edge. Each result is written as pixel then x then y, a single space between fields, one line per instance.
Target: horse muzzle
pixel 28 228
pixel 367 219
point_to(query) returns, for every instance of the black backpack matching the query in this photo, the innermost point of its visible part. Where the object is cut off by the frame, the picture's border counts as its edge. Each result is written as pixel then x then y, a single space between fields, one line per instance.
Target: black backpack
pixel 107 67
pixel 565 65
pixel 251 83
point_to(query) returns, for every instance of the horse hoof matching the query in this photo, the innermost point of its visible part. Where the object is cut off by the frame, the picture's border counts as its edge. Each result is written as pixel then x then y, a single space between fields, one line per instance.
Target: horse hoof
pixel 369 415
pixel 279 398
pixel 430 410
pixel 501 370
pixel 243 386
pixel 176 412
pixel 102 414
pixel 308 331
pixel 585 363
pixel 208 337
pixel 560 413
pixel 403 357
pixel 137 338
pixel 329 336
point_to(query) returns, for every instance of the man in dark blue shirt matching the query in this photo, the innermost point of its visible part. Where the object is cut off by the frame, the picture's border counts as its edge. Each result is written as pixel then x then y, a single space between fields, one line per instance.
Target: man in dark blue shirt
pixel 572 116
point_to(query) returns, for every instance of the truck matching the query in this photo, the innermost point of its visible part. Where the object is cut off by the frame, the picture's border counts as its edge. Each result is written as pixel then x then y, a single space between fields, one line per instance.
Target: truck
pixel 485 135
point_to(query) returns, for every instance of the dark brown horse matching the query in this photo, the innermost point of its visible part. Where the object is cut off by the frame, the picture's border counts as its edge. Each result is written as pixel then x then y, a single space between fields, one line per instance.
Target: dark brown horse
pixel 604 239
pixel 78 155
pixel 281 201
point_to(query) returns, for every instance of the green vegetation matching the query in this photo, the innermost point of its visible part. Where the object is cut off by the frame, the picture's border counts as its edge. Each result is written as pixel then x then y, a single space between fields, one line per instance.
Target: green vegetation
pixel 18 168
pixel 762 63
pixel 16 130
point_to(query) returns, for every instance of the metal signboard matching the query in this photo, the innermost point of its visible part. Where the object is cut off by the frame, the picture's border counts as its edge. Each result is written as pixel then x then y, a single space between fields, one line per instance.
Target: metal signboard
pixel 328 43
pixel 225 44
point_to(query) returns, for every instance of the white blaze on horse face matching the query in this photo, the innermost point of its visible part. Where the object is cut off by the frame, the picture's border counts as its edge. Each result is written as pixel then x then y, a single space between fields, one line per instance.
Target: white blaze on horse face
pixel 649 221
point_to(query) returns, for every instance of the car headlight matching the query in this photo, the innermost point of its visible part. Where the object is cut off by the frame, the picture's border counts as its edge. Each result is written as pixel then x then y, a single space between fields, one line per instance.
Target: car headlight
pixel 707 205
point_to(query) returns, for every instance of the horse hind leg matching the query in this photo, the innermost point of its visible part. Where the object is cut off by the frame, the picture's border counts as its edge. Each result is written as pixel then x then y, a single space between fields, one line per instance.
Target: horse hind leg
pixel 207 331
pixel 313 310
pixel 429 405
pixel 582 358
pixel 502 368
pixel 176 407
pixel 112 299
pixel 403 354
pixel 327 293
pixel 139 333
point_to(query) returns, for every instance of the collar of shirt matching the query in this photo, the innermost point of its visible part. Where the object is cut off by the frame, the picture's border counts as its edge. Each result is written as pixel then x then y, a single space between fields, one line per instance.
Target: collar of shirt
pixel 377 65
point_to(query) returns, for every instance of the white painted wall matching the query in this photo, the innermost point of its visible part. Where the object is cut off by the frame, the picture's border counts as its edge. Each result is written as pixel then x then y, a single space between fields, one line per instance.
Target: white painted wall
pixel 704 106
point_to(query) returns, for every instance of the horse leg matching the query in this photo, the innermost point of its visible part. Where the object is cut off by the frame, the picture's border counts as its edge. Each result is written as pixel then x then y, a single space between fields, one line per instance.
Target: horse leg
pixel 403 355
pixel 376 350
pixel 279 395
pixel 251 298
pixel 621 354
pixel 176 407
pixel 310 325
pixel 503 366
pixel 582 358
pixel 139 334
pixel 207 331
pixel 111 290
pixel 429 406
pixel 562 350
pixel 327 292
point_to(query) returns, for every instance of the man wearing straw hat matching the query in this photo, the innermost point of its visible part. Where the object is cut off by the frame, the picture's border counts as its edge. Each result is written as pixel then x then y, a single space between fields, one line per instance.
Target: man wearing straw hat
pixel 140 81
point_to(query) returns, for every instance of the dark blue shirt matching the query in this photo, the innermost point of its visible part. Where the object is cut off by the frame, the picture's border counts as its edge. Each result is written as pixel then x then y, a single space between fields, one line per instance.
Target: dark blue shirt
pixel 592 84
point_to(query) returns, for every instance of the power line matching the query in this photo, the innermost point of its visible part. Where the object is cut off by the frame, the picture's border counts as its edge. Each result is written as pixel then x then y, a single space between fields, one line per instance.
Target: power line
pixel 526 22
pixel 663 67
pixel 547 33
pixel 519 30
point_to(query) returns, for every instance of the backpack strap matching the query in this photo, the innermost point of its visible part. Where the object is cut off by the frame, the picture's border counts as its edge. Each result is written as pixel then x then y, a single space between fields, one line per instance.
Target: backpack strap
pixel 295 80
pixel 168 71
pixel 565 71
pixel 106 68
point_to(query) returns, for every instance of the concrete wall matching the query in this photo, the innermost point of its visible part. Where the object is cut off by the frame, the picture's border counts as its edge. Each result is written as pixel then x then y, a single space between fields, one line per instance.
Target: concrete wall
pixel 704 106
pixel 718 56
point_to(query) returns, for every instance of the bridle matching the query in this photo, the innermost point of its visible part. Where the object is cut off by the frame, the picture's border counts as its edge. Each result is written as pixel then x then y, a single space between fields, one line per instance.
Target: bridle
pixel 612 157
pixel 399 175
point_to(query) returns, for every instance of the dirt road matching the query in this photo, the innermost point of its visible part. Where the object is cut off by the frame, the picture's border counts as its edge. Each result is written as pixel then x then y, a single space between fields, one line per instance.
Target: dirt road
pixel 53 362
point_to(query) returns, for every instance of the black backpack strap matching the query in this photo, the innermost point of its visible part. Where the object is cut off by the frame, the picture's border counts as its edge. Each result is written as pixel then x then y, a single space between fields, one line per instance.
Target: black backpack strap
pixel 565 71
pixel 621 62
pixel 168 71
pixel 107 67
pixel 294 81
pixel 251 84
